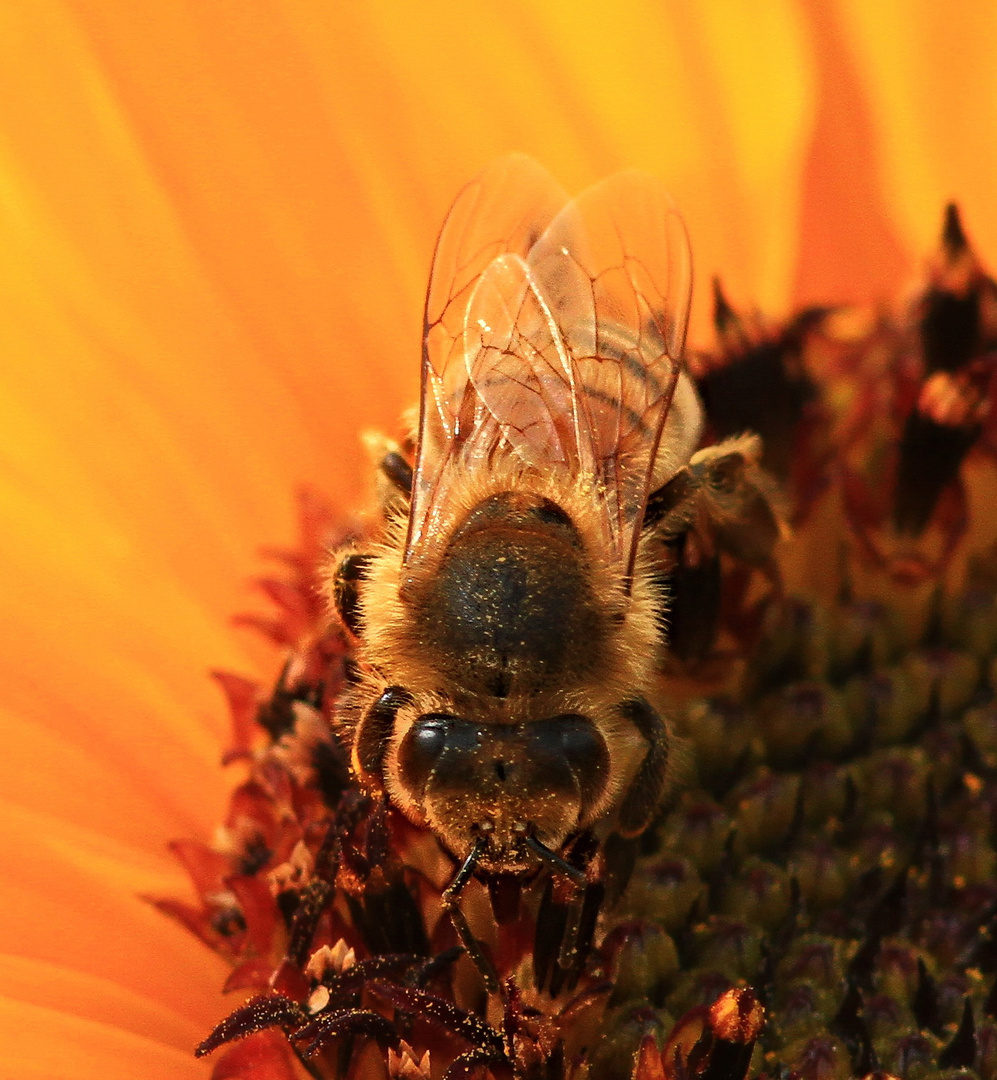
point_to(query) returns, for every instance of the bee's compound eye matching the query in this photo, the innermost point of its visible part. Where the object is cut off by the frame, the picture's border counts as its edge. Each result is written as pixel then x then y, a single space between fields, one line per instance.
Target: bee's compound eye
pixel 583 748
pixel 428 739
pixel 425 742
pixel 579 740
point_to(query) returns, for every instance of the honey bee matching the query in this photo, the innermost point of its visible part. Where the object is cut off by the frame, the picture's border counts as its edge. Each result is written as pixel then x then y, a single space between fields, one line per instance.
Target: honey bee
pixel 507 622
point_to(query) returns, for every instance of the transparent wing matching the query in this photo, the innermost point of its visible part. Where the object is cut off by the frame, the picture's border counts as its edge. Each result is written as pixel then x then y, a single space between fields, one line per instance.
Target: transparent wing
pixel 616 269
pixel 568 354
pixel 501 212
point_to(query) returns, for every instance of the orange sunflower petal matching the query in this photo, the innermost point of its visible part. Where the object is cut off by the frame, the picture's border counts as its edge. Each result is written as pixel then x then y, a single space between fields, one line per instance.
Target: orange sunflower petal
pixel 930 72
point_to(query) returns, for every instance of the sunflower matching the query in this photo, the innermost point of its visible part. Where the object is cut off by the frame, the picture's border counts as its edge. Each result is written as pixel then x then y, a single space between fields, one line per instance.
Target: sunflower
pixel 216 223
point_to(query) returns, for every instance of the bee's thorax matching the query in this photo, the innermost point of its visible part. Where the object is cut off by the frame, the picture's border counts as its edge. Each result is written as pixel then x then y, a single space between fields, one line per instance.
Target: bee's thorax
pixel 511 608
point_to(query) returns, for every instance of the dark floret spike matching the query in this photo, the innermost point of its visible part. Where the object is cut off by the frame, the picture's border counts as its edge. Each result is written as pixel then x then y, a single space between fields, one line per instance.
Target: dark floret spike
pixel 934 636
pixel 694 605
pixel 558 974
pixel 314 899
pixel 346 983
pixel 867 1060
pixel 887 917
pixel 325 1027
pixel 777 943
pixel 983 692
pixel 990 1002
pixel 620 855
pixel 435 966
pixel 727 1061
pixel 846 587
pixel 796 825
pixel 551 919
pixel 505 894
pixel 438 1011
pixel 592 902
pixel 555 1067
pixel 405 915
pixel 849 1024
pixel 332 771
pixel 287 904
pixel 932 715
pixel 925 1003
pixel 255 856
pixel 926 846
pixel 954 239
pixel 961 1051
pixel 984 953
pixel 725 870
pixel 376 846
pixel 472 1062
pixel 276 715
pixel 725 318
pixel 930 455
pixel 863 661
pixel 953 317
pixel 760 388
pixel 266 1011
pixel 850 811
pixel 860 968
pixel 389 919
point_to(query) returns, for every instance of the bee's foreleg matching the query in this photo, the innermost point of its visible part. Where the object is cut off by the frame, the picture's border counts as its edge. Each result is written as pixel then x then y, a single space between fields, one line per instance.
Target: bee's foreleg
pixel 648 785
pixel 451 901
pixel 397 471
pixel 347 575
pixel 392 463
pixel 374 730
pixel 670 509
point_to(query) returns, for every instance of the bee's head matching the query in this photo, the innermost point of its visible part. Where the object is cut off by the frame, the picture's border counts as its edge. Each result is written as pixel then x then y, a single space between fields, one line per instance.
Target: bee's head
pixel 501 781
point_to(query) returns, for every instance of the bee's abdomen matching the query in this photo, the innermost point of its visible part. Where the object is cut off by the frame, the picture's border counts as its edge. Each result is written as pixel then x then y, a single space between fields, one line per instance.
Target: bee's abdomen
pixel 511 607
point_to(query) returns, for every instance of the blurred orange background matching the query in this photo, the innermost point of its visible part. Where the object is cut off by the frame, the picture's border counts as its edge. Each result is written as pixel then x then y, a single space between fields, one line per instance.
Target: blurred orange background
pixel 216 222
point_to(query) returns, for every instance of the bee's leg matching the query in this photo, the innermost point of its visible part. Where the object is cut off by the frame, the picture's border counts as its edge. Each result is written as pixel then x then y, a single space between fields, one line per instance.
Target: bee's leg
pixel 569 941
pixel 669 509
pixel 397 470
pixel 373 732
pixel 346 578
pixel 451 898
pixel 646 788
pixel 393 461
